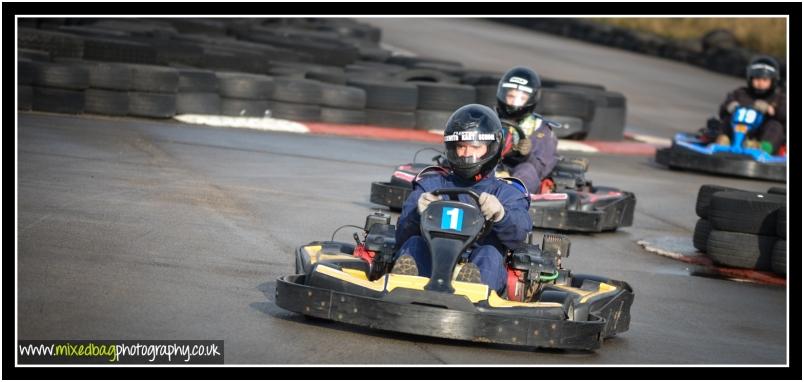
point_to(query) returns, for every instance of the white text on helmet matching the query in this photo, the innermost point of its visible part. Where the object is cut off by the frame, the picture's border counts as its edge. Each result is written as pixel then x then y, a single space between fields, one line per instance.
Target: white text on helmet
pixel 518 80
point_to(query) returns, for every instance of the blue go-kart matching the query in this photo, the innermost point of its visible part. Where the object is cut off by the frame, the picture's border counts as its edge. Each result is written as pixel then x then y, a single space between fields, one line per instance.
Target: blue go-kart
pixel 691 151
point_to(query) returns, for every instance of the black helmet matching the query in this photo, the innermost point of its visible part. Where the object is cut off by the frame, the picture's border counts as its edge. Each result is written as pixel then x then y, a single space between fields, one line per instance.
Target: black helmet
pixel 479 125
pixel 520 80
pixel 762 66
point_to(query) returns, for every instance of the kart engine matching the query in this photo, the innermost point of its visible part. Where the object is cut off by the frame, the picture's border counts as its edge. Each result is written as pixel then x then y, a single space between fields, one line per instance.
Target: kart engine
pixel 380 244
pixel 530 267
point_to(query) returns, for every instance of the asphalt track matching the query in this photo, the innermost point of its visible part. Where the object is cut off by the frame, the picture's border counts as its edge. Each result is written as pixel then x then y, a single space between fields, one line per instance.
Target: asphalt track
pixel 142 229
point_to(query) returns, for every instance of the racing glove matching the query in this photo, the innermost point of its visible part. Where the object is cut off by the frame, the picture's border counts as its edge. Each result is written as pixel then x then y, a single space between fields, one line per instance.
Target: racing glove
pixel 524 146
pixel 491 207
pixel 732 106
pixel 425 199
pixel 763 107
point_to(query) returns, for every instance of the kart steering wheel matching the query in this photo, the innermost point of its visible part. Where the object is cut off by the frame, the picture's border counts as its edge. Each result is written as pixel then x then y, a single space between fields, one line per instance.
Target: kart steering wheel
pixel 453 195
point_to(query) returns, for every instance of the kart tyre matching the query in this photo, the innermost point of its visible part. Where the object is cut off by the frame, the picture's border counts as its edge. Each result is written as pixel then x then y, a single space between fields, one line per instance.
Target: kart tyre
pixel 297 91
pixel 198 103
pixel 403 119
pixel 154 79
pixel 781 222
pixel 701 234
pixel 153 105
pixel 745 212
pixel 245 86
pixel 705 197
pixel 740 250
pixel 431 119
pixel 58 100
pixel 385 95
pixel 105 102
pixel 24 97
pixel 777 190
pixel 779 257
pixel 445 97
pixel 60 75
pixel 343 116
pixel 343 97
pixel 197 81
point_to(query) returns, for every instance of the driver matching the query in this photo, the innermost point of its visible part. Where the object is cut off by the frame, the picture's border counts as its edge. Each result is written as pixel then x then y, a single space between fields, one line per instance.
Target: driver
pixel 473 140
pixel 762 94
pixel 530 159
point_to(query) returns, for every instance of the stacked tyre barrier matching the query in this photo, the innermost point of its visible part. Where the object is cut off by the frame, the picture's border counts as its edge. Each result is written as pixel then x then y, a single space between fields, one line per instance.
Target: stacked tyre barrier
pixel 717 50
pixel 743 229
pixel 309 70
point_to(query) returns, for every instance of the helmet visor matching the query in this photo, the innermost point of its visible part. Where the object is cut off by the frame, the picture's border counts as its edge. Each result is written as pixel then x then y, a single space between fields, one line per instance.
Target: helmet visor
pixel 467 148
pixel 761 70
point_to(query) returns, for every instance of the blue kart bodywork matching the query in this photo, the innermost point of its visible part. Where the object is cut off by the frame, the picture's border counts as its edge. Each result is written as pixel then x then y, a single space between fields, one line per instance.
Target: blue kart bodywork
pixel 690 152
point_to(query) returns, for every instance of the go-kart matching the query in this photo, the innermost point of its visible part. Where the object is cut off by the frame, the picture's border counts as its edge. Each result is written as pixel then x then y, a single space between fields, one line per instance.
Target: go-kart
pixel 694 151
pixel 545 305
pixel 566 200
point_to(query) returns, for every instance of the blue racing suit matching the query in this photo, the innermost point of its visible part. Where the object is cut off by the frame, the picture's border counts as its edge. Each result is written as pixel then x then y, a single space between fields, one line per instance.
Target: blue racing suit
pixel 486 253
pixel 532 168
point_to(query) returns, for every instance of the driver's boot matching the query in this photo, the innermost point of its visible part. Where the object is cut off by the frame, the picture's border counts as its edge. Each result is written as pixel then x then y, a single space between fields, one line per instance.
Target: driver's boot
pixel 469 273
pixel 405 265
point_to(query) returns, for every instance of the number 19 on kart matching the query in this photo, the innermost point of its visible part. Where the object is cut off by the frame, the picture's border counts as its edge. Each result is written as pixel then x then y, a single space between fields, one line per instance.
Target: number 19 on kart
pixel 452 218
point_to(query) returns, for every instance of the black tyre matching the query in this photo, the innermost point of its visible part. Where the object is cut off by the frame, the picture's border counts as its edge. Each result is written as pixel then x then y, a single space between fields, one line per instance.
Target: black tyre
pixel 197 81
pixel 154 79
pixel 343 97
pixel 608 120
pixel 746 212
pixel 565 102
pixel 705 197
pixel 425 75
pixel 442 96
pixel 55 43
pixel 327 77
pixel 404 119
pixel 33 54
pixel 701 234
pixel 486 95
pixel 391 96
pixel 25 72
pixel 344 116
pixel 152 105
pixel 781 222
pixel 297 91
pixel 58 100
pixel 245 86
pixel 740 250
pixel 244 107
pixel 198 103
pixel 295 111
pixel 103 75
pixel 104 49
pixel 778 190
pixel 432 119
pixel 24 97
pixel 106 102
pixel 779 257
pixel 59 75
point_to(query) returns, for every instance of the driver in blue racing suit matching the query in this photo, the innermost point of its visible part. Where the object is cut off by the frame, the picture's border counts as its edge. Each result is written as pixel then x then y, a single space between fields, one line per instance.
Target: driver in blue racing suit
pixel 530 160
pixel 473 140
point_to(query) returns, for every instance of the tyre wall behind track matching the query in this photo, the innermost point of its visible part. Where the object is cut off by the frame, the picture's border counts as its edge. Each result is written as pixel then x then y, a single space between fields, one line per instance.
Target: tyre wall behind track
pixel 330 70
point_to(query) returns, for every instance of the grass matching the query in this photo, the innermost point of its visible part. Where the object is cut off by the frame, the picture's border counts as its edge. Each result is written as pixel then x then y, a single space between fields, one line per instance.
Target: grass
pixel 763 35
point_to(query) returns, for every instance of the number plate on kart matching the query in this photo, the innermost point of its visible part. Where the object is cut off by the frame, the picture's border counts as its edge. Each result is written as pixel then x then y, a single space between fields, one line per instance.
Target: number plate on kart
pixel 741 128
pixel 452 218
